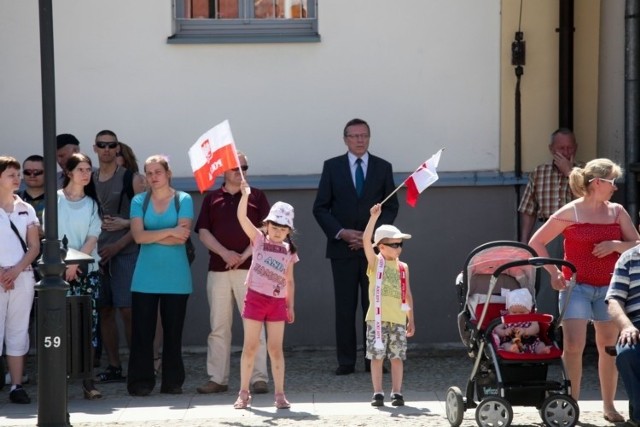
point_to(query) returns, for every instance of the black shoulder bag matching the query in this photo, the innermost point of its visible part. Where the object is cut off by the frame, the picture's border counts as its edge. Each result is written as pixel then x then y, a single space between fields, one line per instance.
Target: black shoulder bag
pixel 34 264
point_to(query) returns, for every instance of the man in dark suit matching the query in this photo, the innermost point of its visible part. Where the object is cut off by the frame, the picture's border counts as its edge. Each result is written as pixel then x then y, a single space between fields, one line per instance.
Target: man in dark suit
pixel 350 184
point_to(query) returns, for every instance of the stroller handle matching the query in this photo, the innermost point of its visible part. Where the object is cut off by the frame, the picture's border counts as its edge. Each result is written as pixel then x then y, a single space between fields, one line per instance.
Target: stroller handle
pixel 536 262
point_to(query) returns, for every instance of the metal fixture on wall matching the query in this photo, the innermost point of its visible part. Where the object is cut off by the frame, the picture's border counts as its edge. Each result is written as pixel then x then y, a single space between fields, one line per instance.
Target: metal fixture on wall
pixel 518 60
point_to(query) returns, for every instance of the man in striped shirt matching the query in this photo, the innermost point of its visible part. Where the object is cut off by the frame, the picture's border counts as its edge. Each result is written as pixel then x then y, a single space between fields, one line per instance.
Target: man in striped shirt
pixel 623 299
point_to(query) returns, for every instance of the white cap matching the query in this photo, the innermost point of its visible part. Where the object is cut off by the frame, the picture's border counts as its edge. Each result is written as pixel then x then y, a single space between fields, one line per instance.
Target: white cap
pixel 520 297
pixel 281 213
pixel 387 231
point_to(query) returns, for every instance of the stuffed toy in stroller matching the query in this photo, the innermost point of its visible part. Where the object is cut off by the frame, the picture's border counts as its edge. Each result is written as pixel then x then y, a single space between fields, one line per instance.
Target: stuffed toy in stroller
pixel 521 337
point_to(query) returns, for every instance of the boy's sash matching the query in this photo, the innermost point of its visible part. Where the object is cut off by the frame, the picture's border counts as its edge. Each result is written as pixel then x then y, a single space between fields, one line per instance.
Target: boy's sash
pixel 377 296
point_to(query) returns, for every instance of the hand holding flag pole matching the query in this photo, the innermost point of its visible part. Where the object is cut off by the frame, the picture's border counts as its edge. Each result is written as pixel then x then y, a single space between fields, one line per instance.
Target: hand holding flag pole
pixel 419 180
pixel 247 189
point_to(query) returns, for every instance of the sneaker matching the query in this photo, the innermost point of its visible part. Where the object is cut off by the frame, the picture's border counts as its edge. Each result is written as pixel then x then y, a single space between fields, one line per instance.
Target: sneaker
pixel 212 387
pixel 110 375
pixel 18 395
pixel 397 399
pixel 378 399
pixel 260 387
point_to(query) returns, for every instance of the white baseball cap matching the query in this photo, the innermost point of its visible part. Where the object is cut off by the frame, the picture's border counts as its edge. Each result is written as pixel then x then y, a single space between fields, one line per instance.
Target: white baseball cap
pixel 281 213
pixel 520 297
pixel 387 231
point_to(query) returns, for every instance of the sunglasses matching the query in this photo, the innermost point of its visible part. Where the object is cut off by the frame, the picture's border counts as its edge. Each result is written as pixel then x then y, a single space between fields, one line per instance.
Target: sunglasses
pixel 103 145
pixel 611 181
pixel 32 172
pixel 244 168
pixel 393 245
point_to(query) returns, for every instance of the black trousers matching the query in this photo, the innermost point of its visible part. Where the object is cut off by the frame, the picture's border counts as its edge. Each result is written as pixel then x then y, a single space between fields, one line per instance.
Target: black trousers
pixel 349 280
pixel 144 314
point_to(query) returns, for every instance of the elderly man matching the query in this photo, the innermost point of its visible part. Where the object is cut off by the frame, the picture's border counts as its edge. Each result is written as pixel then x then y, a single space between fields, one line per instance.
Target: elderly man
pixel 546 192
pixel 342 211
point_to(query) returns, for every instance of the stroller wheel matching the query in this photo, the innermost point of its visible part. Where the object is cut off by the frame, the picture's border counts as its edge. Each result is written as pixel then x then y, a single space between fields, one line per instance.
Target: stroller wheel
pixel 454 406
pixel 494 411
pixel 559 410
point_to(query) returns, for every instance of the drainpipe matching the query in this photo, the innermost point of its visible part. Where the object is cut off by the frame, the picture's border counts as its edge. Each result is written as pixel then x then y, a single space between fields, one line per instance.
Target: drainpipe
pixel 565 65
pixel 631 107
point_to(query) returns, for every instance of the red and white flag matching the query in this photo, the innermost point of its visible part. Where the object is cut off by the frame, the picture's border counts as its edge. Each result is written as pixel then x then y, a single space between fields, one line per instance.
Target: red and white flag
pixel 213 154
pixel 423 177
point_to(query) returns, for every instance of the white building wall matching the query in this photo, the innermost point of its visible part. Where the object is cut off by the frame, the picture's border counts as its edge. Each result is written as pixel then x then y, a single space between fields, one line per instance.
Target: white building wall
pixel 424 74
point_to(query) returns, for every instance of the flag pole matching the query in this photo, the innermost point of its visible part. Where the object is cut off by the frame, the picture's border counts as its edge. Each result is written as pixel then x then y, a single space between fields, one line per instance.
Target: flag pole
pixel 393 192
pixel 240 167
pixel 403 182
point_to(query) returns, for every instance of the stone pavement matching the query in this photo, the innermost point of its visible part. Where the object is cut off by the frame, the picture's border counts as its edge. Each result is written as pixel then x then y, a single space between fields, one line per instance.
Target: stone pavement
pixel 318 397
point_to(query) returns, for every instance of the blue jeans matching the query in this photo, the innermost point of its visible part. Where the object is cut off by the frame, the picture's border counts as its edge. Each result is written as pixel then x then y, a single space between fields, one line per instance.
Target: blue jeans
pixel 628 363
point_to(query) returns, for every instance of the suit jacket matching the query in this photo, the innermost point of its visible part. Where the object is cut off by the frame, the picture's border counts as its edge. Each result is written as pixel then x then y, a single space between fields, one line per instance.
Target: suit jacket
pixel 337 205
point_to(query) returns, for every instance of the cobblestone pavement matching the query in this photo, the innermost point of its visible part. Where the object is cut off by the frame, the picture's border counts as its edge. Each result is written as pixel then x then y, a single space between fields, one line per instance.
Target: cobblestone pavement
pixel 318 397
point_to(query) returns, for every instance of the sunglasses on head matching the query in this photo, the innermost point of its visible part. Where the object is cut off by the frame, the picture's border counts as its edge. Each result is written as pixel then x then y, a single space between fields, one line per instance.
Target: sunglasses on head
pixel 111 145
pixel 393 245
pixel 243 167
pixel 32 172
pixel 611 181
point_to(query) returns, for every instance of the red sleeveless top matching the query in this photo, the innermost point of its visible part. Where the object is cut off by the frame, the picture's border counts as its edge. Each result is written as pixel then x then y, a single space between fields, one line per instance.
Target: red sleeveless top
pixel 579 240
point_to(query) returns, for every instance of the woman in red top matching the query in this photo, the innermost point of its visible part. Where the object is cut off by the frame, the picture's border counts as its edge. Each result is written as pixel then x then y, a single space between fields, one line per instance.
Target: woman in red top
pixel 595 232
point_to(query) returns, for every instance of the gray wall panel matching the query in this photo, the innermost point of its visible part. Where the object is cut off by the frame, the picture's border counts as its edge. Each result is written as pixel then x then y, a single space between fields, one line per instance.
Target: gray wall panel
pixel 446 225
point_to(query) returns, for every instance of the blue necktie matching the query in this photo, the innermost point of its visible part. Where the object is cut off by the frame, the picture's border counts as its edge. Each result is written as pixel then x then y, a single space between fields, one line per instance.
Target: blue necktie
pixel 359 177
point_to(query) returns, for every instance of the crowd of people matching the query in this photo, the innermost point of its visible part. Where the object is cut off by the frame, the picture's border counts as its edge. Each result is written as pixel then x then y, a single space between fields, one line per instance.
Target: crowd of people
pixel 136 227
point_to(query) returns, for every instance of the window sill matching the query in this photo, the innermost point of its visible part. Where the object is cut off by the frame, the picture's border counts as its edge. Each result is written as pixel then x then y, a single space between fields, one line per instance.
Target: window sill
pixel 237 38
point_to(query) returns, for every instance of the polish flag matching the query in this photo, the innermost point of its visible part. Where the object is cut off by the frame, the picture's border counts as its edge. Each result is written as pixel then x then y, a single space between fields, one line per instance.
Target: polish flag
pixel 213 154
pixel 423 177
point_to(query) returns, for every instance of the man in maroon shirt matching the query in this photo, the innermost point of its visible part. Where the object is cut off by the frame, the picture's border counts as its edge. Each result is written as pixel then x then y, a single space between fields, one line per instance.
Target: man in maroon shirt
pixel 230 258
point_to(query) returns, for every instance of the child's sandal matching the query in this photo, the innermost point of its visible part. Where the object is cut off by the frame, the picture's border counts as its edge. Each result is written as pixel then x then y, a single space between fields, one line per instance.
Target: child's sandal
pixel 281 401
pixel 243 400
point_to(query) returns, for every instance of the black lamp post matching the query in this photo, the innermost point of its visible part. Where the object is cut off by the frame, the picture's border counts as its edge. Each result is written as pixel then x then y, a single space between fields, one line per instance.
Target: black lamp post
pixel 52 289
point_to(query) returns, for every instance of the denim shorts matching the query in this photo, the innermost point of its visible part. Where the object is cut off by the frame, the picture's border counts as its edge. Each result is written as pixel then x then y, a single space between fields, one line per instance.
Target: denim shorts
pixel 116 283
pixel 585 302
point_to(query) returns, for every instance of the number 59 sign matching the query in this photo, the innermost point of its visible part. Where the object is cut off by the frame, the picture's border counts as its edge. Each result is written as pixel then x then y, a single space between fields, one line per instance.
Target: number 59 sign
pixel 51 342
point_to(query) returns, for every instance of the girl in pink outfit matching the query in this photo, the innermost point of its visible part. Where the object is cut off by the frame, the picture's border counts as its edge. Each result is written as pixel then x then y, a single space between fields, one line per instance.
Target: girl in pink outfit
pixel 270 293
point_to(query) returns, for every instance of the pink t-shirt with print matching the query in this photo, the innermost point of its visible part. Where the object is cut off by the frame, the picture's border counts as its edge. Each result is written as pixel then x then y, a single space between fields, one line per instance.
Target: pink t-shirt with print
pixel 269 264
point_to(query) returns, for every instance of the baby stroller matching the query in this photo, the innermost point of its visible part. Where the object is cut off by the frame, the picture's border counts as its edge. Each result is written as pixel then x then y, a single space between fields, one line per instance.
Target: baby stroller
pixel 501 379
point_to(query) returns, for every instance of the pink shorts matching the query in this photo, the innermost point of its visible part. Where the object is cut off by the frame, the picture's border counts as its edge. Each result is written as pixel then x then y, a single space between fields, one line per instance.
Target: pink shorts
pixel 264 308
